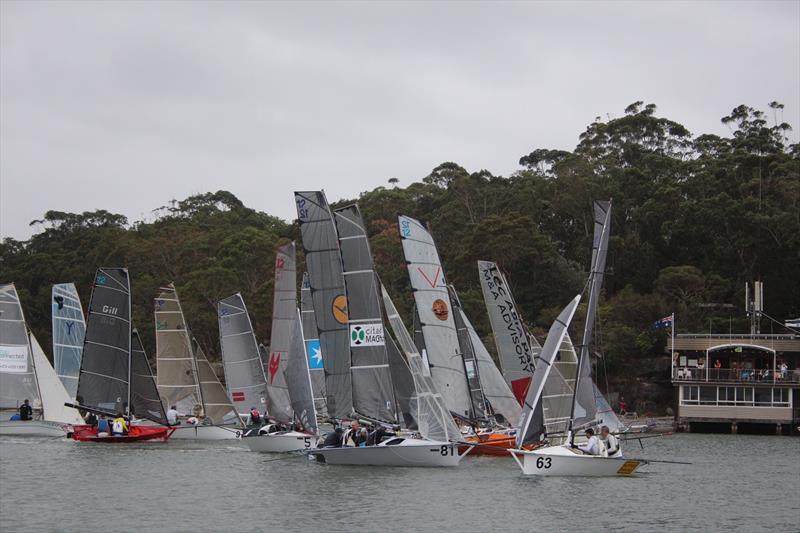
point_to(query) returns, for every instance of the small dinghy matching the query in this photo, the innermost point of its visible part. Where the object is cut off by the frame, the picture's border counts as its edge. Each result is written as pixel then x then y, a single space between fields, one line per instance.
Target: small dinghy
pixel 115 377
pixel 137 433
pixel 566 461
pixel 397 451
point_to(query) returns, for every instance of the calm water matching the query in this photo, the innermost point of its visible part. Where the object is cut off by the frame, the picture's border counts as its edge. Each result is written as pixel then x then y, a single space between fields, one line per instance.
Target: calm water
pixel 738 483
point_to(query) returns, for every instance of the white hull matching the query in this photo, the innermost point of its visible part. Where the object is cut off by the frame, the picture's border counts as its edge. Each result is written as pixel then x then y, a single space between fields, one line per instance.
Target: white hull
pixel 290 441
pixel 201 432
pixel 33 428
pixel 564 461
pixel 409 452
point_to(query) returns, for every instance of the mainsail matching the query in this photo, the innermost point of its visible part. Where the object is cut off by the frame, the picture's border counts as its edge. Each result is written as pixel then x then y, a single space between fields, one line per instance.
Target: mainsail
pixel 498 395
pixel 216 403
pixel 373 396
pixel 324 263
pixel 175 366
pixel 471 369
pixel 105 365
pixel 17 371
pixel 69 328
pixel 584 408
pixel 428 408
pixel 435 315
pixel 532 427
pixel 511 338
pixel 284 316
pixel 244 375
pixel 316 368
pixel 298 379
pixel 145 401
pixel 54 395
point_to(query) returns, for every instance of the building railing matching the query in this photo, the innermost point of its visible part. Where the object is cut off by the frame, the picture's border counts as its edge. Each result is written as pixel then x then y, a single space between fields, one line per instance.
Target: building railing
pixel 741 336
pixel 735 375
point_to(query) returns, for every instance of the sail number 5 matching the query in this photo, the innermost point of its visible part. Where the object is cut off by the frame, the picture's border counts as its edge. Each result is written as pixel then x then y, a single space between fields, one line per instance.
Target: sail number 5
pixel 543 462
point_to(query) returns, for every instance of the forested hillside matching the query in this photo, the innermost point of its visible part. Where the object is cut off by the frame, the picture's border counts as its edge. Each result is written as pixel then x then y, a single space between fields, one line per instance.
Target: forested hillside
pixel 695 216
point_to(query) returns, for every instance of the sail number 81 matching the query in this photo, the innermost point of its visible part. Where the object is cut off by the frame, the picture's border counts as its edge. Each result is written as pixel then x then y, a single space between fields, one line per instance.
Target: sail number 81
pixel 446 450
pixel 543 462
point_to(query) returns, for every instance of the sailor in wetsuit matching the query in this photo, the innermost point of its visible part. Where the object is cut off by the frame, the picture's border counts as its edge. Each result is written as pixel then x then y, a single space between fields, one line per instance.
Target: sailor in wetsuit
pixel 611 443
pixel 25 410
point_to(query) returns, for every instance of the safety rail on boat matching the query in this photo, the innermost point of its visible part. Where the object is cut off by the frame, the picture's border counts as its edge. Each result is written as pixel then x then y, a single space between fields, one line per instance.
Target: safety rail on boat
pixel 738 375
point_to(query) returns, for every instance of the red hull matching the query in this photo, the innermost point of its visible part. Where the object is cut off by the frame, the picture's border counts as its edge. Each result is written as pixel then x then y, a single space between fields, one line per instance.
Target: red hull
pixel 495 444
pixel 137 433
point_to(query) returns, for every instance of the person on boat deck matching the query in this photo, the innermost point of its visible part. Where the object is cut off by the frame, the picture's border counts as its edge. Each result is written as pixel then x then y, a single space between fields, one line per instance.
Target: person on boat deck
pixel 255 416
pixel 91 419
pixel 102 426
pixel 172 416
pixel 25 410
pixel 120 426
pixel 334 438
pixel 593 446
pixel 358 434
pixel 611 443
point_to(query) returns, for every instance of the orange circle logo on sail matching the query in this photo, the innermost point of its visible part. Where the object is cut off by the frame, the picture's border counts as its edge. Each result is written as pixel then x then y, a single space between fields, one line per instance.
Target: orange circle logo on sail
pixel 339 308
pixel 440 309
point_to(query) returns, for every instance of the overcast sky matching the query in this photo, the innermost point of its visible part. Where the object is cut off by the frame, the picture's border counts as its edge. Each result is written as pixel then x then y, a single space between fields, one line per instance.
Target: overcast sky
pixel 124 106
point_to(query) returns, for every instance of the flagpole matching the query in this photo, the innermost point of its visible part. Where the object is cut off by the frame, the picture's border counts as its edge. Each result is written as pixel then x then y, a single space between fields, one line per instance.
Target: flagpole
pixel 672 344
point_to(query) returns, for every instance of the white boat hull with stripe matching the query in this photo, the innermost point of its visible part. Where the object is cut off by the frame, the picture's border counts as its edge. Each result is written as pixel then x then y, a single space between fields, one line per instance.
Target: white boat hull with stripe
pixel 33 428
pixel 555 461
pixel 200 432
pixel 289 441
pixel 397 451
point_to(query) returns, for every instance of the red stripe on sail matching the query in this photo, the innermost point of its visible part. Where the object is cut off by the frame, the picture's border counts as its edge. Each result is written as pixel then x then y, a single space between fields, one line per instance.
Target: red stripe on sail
pixel 237 396
pixel 520 388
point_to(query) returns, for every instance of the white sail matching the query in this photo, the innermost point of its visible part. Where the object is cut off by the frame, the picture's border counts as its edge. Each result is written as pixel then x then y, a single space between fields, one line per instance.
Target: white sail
pixel 284 316
pixel 298 380
pixel 531 427
pixel 436 315
pixel 69 328
pixel 429 409
pixel 17 371
pixel 54 395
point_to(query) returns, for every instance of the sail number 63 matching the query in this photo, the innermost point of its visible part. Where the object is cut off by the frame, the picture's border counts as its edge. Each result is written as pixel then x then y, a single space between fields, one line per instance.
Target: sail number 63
pixel 543 462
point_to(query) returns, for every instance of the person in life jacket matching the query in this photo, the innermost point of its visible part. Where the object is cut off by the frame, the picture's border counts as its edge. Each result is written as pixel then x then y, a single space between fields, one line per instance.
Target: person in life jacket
pixel 357 435
pixel 334 438
pixel 255 416
pixel 119 427
pixel 611 443
pixel 25 410
pixel 103 428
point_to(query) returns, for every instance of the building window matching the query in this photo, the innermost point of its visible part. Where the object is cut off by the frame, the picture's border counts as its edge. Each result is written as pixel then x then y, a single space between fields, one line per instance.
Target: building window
pixel 763 397
pixel 744 395
pixel 708 395
pixel 780 397
pixel 727 395
pixel 690 395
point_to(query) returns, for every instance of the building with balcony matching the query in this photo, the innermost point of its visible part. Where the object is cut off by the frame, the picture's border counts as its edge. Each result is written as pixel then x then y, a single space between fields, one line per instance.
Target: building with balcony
pixel 737 383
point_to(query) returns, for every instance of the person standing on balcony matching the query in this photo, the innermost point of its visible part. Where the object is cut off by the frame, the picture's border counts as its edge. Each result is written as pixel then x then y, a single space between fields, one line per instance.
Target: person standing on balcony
pixel 784 370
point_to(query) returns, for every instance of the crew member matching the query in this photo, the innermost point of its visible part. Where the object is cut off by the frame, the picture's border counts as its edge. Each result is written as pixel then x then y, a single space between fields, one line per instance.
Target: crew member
pixel 25 410
pixel 592 447
pixel 255 416
pixel 172 416
pixel 120 426
pixel 334 438
pixel 102 426
pixel 611 443
pixel 358 434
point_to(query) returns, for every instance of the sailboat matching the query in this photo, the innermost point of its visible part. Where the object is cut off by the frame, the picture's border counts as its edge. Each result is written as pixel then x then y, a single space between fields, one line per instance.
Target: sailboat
pixel 244 374
pixel 25 373
pixel 366 376
pixel 316 367
pixel 186 380
pixel 565 459
pixel 115 376
pixel 290 401
pixel 453 351
pixel 69 328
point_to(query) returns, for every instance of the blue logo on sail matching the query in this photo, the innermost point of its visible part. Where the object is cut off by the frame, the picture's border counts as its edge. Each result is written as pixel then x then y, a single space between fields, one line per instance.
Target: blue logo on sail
pixel 314 355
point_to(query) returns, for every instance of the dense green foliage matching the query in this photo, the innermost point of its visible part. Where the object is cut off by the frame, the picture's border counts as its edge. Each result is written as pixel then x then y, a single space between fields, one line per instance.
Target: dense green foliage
pixel 694 218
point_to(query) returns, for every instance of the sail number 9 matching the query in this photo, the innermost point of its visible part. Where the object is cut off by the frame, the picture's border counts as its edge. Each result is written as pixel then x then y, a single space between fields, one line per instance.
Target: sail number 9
pixel 543 462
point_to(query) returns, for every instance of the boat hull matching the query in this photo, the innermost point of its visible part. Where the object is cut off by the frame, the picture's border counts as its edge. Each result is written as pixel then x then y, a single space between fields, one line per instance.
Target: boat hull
pixel 494 444
pixel 409 452
pixel 201 432
pixel 563 461
pixel 291 441
pixel 136 434
pixel 33 428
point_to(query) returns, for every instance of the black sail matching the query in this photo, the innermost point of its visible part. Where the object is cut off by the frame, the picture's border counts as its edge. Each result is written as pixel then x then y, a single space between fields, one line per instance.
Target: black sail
pixel 105 370
pixel 145 400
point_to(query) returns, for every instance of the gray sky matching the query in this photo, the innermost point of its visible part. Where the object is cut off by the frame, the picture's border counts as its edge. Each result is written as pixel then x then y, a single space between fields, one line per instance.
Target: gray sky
pixel 124 106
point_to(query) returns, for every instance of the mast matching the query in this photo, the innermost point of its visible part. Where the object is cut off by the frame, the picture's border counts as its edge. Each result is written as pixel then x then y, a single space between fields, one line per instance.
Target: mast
pixel 583 405
pixel 130 334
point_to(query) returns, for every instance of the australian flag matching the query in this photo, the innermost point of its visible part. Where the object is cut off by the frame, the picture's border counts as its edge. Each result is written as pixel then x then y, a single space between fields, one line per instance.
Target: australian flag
pixel 665 322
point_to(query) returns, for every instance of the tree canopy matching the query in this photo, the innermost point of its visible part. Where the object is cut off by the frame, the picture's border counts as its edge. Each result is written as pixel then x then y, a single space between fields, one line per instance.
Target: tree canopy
pixel 694 218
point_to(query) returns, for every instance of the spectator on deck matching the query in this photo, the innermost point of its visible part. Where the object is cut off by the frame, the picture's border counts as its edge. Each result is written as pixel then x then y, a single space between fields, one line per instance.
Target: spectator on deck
pixel 717 364
pixel 25 410
pixel 784 370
